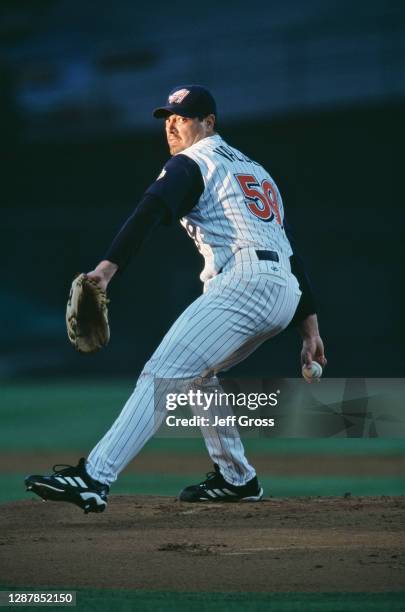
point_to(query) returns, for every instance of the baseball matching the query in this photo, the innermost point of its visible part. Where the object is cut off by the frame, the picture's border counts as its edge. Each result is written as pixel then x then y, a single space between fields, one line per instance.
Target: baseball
pixel 313 373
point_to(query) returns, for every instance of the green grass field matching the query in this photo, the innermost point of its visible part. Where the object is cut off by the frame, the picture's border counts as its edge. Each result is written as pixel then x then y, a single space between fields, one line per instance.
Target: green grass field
pixel 69 414
pixel 100 600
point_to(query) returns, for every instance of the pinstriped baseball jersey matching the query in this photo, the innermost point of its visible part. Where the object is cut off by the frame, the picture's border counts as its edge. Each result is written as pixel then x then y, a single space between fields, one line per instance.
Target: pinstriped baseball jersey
pixel 240 206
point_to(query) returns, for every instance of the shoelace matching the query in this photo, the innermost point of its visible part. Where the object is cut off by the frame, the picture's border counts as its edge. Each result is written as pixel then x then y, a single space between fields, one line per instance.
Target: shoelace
pixel 210 476
pixel 64 467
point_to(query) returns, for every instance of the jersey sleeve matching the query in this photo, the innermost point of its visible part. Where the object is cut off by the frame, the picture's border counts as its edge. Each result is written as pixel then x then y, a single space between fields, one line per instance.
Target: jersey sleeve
pixel 179 186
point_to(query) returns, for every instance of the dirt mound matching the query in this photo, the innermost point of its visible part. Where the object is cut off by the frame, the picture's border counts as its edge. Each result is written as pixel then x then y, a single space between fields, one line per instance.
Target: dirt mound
pixel 284 545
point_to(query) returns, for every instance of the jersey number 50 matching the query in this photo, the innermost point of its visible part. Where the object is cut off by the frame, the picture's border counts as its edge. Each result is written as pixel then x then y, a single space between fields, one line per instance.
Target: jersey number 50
pixel 261 200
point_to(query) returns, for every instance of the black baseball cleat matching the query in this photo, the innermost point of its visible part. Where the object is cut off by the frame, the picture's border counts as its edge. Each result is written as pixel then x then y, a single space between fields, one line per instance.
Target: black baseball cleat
pixel 216 489
pixel 70 484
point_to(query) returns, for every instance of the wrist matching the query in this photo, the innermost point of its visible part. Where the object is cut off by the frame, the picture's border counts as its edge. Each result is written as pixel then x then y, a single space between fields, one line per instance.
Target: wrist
pixel 107 269
pixel 308 328
pixel 309 337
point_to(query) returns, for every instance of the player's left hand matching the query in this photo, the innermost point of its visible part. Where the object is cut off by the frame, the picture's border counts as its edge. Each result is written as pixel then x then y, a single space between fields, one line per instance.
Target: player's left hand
pixel 103 273
pixel 99 278
pixel 87 315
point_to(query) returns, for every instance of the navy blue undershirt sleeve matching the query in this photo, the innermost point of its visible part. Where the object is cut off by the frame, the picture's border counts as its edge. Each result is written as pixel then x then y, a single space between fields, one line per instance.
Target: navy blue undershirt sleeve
pixel 307 304
pixel 149 214
pixel 170 197
pixel 180 185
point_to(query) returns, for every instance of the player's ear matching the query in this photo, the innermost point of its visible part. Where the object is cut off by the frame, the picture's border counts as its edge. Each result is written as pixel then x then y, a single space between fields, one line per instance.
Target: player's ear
pixel 210 121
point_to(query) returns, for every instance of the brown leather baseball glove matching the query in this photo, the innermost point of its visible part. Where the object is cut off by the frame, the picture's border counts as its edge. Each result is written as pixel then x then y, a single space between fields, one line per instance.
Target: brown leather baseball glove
pixel 87 315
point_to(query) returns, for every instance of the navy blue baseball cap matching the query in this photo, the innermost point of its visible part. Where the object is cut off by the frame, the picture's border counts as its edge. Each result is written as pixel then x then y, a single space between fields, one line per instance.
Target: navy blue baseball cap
pixel 188 101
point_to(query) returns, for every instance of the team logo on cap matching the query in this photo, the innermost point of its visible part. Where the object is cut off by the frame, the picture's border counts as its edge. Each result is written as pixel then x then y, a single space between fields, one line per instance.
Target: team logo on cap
pixel 178 96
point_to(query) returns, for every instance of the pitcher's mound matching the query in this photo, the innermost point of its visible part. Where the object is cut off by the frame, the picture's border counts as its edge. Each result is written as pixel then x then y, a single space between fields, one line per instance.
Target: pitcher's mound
pixel 290 545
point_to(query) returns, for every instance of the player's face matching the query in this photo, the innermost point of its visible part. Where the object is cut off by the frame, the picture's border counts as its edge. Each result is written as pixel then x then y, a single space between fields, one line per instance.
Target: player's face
pixel 182 132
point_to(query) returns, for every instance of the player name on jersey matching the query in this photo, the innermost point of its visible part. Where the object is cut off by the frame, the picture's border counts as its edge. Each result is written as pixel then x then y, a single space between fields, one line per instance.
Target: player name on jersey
pixel 232 155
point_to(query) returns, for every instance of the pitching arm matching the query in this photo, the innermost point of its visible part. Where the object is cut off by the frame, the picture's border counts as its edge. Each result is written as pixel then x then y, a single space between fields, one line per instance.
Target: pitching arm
pixel 305 318
pixel 307 305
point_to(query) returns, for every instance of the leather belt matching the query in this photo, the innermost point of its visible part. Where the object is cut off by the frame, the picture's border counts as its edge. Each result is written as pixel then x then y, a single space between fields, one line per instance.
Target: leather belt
pixel 267 255
pixel 264 256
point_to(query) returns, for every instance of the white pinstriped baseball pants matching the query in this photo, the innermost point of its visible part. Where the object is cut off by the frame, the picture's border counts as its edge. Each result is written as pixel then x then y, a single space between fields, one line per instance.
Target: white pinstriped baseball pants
pixel 249 302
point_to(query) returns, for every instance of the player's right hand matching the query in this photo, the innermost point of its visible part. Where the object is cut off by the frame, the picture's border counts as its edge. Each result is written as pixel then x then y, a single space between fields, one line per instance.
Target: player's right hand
pixel 313 350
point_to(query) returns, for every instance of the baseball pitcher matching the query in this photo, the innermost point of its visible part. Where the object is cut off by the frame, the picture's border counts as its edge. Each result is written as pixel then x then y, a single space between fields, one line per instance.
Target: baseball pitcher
pixel 254 287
